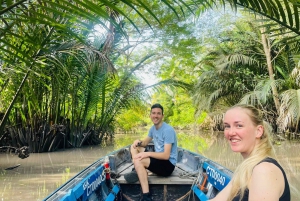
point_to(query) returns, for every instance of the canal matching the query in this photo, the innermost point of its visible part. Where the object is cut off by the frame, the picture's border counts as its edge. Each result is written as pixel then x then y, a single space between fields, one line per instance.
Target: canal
pixel 41 173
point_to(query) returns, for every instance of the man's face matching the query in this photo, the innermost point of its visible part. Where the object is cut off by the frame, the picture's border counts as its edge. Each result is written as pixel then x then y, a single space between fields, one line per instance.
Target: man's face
pixel 156 116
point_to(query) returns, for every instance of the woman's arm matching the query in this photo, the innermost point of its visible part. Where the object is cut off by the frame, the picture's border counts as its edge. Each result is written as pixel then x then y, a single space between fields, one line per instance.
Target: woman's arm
pixel 224 194
pixel 267 183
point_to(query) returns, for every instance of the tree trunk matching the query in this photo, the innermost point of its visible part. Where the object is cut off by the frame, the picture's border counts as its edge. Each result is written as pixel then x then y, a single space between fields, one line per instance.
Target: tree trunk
pixel 267 51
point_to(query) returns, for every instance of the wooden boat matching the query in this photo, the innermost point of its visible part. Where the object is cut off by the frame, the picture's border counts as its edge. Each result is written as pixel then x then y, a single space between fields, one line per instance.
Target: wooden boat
pixel 194 178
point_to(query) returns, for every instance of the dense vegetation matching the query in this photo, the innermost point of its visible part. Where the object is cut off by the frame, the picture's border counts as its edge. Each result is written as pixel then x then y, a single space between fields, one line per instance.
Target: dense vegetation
pixel 70 71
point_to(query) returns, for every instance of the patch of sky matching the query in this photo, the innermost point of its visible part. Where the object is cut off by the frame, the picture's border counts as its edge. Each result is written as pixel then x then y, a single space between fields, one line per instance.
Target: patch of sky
pixel 213 22
pixel 207 25
pixel 210 23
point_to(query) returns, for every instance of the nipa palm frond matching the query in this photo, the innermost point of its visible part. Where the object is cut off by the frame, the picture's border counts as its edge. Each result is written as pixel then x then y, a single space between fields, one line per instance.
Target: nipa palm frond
pixel 290 109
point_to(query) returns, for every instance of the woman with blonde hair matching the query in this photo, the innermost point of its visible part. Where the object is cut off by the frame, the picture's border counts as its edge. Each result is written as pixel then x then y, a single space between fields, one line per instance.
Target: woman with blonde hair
pixel 259 177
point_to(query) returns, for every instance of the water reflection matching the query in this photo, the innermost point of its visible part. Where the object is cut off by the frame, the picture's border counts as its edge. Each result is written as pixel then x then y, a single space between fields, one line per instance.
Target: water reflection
pixel 41 174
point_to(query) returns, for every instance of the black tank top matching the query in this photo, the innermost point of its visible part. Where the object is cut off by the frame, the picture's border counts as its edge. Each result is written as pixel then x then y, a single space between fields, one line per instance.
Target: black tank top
pixel 286 196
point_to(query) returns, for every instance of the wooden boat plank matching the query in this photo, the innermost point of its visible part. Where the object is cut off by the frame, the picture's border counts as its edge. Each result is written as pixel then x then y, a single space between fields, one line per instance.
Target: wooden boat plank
pixel 162 180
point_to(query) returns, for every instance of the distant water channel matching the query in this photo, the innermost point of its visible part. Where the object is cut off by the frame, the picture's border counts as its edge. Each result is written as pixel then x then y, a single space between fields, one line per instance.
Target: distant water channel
pixel 41 173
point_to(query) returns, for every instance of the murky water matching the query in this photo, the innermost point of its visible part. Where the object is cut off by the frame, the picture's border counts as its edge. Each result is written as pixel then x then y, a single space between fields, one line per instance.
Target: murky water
pixel 40 174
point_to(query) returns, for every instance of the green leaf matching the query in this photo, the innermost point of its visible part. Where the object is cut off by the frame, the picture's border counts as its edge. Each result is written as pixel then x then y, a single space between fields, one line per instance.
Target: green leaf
pixel 281 11
pixel 296 13
pixel 289 12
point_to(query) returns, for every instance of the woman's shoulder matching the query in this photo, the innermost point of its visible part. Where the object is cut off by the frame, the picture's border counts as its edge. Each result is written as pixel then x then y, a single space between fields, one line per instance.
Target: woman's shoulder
pixel 265 166
pixel 267 177
pixel 271 162
pixel 268 167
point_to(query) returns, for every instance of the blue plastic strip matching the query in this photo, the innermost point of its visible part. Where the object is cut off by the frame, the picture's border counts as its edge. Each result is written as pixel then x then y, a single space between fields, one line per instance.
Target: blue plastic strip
pixel 87 186
pixel 216 177
pixel 199 193
pixel 69 196
pixel 112 196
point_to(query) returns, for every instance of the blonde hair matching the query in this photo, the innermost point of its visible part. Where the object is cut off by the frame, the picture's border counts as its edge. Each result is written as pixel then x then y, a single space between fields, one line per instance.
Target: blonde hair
pixel 263 149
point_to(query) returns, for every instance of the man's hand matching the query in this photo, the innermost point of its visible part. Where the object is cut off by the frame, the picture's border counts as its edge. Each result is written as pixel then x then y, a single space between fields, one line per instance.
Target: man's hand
pixel 141 155
pixel 137 143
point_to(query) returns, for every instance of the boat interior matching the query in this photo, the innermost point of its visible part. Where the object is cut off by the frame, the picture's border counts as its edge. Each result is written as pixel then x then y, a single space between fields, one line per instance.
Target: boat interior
pixel 177 186
pixel 194 178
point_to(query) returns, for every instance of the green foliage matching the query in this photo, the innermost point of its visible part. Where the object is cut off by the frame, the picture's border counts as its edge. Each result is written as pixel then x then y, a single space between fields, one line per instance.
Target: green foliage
pixel 235 70
pixel 230 70
pixel 52 72
pixel 133 118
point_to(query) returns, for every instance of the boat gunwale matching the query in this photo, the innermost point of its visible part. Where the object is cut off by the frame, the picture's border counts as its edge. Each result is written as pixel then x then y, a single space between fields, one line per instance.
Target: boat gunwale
pixel 64 189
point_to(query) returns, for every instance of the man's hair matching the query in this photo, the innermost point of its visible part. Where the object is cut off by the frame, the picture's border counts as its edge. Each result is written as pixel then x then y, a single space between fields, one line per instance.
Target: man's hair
pixel 157 105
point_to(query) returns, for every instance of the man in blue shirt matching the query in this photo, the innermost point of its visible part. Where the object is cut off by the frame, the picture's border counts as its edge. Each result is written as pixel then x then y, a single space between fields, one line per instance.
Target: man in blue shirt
pixel 161 162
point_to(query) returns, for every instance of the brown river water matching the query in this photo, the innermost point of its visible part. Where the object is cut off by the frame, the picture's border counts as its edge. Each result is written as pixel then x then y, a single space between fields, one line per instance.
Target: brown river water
pixel 41 173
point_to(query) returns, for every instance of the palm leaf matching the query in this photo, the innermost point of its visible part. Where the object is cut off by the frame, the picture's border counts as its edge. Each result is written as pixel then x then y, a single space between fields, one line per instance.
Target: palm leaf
pixel 283 12
pixel 289 109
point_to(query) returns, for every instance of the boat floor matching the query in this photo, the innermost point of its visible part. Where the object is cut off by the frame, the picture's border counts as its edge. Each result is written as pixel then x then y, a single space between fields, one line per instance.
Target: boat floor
pixel 179 176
